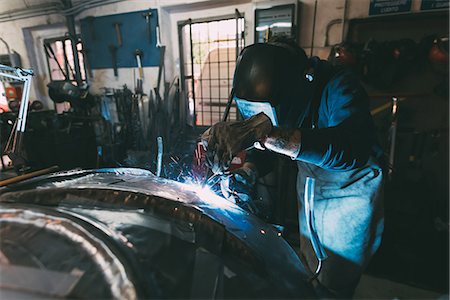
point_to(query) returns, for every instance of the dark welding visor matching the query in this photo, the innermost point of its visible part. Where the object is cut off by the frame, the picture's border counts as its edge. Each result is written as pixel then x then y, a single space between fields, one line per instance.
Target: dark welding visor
pixel 271 72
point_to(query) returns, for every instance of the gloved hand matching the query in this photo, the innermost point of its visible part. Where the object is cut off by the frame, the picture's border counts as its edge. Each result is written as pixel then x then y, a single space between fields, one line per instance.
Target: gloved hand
pixel 224 140
pixel 239 187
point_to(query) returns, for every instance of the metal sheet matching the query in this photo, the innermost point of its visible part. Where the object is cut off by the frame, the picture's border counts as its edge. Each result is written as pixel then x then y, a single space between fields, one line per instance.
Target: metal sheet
pixel 148 203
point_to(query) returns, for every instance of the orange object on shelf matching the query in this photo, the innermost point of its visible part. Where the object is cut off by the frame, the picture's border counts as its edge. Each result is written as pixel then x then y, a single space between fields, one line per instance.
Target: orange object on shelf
pixel 13 93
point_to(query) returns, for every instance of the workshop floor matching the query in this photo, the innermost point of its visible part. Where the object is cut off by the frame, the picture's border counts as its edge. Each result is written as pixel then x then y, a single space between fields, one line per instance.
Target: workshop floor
pixel 377 288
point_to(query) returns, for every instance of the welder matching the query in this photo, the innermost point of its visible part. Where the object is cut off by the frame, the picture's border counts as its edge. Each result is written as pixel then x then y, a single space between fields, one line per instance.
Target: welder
pixel 318 116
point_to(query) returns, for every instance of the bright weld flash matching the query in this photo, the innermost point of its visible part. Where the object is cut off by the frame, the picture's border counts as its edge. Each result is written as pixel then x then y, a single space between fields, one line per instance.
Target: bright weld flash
pixel 206 194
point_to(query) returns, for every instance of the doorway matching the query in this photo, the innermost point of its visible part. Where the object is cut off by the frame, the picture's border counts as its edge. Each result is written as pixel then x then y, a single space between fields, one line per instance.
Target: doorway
pixel 209 49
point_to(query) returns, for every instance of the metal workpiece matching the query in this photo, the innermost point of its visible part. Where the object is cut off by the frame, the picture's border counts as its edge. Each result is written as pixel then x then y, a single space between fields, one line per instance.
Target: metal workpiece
pixel 110 265
pixel 169 235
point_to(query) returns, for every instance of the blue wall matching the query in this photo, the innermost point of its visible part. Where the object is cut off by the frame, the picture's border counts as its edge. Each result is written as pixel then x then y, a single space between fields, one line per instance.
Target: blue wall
pixel 135 35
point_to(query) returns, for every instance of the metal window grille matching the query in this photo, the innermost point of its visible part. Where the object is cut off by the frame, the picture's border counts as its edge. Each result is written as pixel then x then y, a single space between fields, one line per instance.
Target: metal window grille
pixel 62 48
pixel 209 52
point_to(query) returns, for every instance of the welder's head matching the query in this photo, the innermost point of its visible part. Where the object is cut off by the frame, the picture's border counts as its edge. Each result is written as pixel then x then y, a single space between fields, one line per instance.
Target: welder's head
pixel 269 72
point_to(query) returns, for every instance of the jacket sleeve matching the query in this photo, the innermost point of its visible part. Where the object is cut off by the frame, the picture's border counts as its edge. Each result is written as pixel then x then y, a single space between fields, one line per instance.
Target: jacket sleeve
pixel 347 139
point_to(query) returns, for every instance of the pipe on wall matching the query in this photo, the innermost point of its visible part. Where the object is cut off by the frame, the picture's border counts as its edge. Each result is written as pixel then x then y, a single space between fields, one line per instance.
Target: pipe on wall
pixel 51 8
pixel 327 31
pixel 313 28
pixel 344 18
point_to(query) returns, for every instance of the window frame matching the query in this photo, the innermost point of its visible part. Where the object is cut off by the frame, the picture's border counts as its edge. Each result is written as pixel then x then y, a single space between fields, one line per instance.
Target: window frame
pixel 63 39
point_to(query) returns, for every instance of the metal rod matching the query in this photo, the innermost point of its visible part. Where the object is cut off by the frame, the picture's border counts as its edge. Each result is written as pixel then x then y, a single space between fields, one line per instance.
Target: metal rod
pixel 209 69
pixel 218 72
pixel 237 15
pixel 160 156
pixel 11 76
pixel 66 60
pixel 344 17
pixel 313 28
pixel 28 176
pixel 70 21
pixel 192 73
pixel 393 135
pixel 228 65
pixel 227 108
pixel 201 84
pixel 23 107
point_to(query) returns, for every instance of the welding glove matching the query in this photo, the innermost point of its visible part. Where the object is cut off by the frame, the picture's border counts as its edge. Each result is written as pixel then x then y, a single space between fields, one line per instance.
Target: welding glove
pixel 240 188
pixel 224 140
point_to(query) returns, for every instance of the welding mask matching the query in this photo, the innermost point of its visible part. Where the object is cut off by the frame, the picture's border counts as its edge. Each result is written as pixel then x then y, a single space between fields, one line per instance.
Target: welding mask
pixel 270 78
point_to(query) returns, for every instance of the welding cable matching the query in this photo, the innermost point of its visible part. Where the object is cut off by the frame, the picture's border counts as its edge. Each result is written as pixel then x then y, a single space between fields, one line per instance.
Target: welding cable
pixel 309 214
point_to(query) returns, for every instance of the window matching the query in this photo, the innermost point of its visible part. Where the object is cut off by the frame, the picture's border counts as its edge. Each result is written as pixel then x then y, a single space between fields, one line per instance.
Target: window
pixel 209 54
pixel 60 59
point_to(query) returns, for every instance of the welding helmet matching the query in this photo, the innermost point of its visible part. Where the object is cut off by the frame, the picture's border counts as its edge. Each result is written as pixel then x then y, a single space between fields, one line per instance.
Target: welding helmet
pixel 271 78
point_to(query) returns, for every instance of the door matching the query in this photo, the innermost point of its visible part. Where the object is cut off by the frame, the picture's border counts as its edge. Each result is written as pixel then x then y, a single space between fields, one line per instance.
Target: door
pixel 209 49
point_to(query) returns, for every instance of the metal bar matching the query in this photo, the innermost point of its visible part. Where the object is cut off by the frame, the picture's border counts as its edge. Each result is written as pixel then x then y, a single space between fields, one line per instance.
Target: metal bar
pixel 66 61
pixel 182 63
pixel 201 82
pixel 11 76
pixel 160 156
pixel 237 32
pixel 11 140
pixel 228 65
pixel 7 68
pixel 228 106
pixel 209 68
pixel 314 28
pixel 24 105
pixel 218 40
pixel 211 19
pixel 192 73
pixel 70 20
pixel 393 130
pixel 28 176
pixel 218 67
pixel 344 17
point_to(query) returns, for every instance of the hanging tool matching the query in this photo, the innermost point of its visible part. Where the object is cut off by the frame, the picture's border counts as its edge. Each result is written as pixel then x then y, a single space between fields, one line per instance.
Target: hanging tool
pixel 138 53
pixel 113 50
pixel 118 33
pixel 162 54
pixel 147 17
pixel 158 35
pixel 393 135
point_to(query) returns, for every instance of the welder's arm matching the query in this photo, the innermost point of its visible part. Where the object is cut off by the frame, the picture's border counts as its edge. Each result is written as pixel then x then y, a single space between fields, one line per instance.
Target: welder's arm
pixel 337 148
pixel 342 147
pixel 348 140
pixel 284 141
